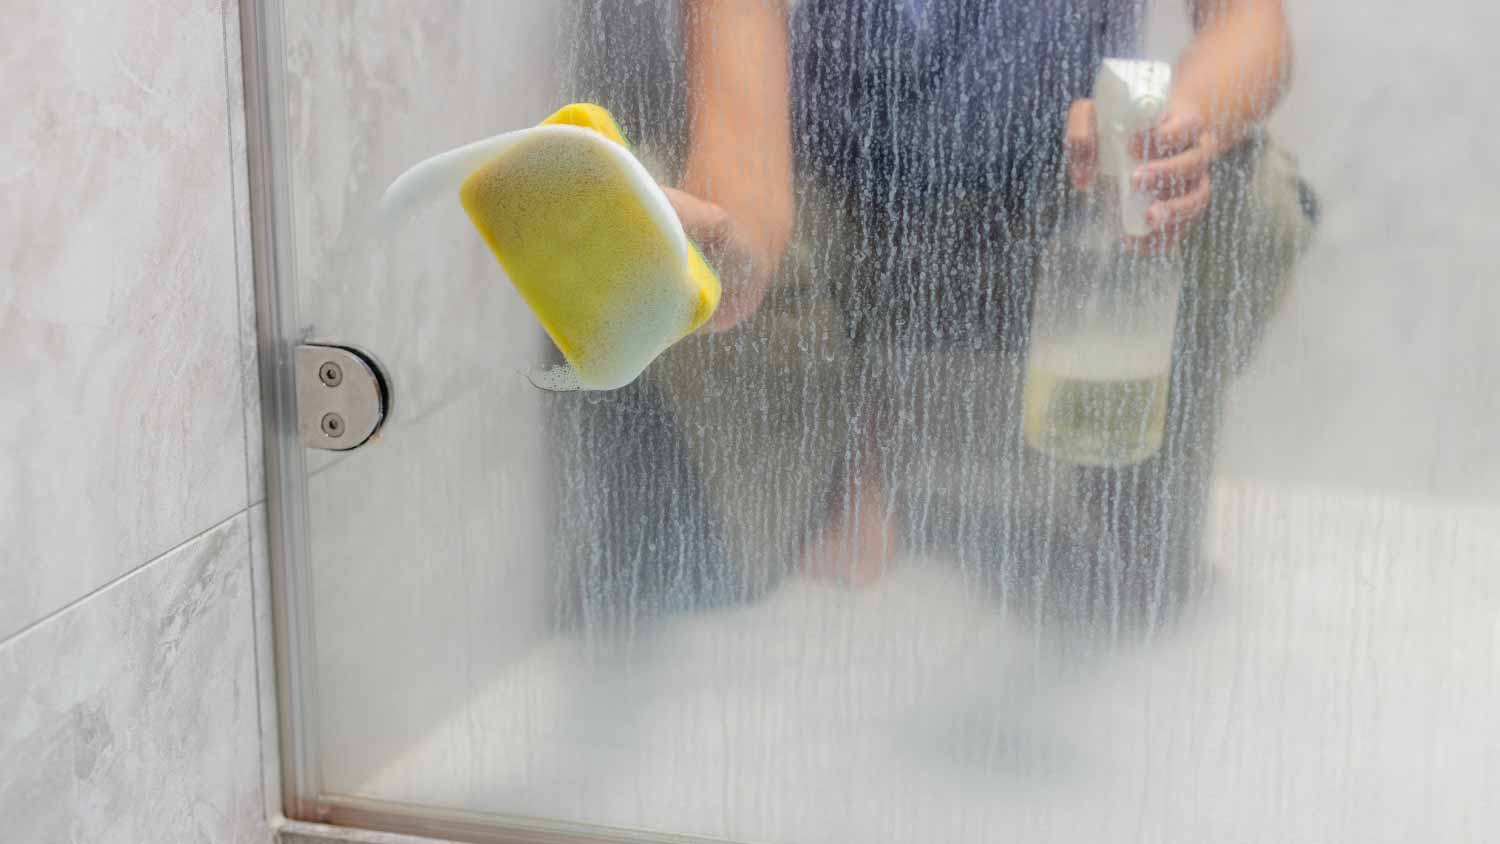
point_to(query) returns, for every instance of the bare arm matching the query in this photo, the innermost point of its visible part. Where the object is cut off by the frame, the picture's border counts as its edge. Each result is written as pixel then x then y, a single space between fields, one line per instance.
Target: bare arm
pixel 736 192
pixel 1237 66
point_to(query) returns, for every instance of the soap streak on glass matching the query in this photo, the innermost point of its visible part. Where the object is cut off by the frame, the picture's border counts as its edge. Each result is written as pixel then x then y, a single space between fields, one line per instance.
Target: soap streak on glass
pixel 979 528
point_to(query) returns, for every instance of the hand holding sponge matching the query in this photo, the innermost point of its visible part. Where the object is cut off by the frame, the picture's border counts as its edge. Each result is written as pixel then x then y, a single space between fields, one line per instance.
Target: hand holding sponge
pixel 586 236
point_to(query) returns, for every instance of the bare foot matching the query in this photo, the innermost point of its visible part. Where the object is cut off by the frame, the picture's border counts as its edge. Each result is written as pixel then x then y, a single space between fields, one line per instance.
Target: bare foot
pixel 858 542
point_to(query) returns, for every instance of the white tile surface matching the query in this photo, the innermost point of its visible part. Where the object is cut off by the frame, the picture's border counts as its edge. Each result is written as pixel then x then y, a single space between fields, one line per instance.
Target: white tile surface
pixel 121 403
pixel 1338 684
pixel 131 717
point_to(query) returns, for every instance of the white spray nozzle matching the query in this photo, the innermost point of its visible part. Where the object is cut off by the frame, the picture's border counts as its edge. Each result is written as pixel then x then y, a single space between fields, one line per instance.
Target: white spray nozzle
pixel 1130 97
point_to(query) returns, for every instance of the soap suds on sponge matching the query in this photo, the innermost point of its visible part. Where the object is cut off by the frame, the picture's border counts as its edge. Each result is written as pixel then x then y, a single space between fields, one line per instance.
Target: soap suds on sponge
pixel 586 236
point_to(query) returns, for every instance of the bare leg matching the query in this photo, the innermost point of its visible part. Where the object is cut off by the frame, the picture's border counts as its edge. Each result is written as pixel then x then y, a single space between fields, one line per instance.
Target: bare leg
pixel 859 538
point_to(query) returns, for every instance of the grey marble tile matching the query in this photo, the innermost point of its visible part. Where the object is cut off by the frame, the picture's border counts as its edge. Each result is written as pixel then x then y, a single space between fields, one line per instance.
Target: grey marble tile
pixel 255 478
pixel 131 716
pixel 121 412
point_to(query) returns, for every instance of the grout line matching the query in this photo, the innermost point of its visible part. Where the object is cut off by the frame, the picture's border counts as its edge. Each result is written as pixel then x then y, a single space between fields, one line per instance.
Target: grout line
pixel 122 577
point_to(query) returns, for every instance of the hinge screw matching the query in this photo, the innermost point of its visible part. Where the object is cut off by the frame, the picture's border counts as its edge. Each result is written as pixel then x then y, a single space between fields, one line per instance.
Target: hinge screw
pixel 330 373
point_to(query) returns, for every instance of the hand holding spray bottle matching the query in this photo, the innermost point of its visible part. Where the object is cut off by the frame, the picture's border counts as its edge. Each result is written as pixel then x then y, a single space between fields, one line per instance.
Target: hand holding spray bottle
pixel 1105 318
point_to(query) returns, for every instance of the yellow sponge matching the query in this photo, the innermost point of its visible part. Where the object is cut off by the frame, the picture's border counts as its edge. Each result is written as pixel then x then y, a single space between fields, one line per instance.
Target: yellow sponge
pixel 586 236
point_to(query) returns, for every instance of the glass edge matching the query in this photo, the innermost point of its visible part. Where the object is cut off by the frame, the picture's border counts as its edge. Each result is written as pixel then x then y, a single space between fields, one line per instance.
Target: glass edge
pixel 277 334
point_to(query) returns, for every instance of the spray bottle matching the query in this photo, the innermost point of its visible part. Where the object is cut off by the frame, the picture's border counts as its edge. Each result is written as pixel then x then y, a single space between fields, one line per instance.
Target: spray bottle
pixel 1105 317
pixel 1130 97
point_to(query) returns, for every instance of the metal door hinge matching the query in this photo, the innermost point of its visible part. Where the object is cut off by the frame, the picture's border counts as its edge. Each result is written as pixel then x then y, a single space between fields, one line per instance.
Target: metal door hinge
pixel 342 397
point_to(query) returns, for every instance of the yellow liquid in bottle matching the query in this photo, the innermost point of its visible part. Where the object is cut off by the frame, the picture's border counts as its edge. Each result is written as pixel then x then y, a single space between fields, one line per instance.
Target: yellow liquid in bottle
pixel 1098 418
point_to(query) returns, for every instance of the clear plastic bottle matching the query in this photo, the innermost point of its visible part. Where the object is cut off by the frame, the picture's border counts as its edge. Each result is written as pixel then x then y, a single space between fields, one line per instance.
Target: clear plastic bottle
pixel 1104 319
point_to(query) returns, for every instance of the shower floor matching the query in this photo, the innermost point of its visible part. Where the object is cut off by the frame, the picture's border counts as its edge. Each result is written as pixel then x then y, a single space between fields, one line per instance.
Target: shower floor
pixel 1340 682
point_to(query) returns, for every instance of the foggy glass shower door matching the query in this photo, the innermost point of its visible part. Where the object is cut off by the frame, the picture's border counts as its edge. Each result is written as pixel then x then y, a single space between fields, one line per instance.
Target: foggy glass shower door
pixel 806 580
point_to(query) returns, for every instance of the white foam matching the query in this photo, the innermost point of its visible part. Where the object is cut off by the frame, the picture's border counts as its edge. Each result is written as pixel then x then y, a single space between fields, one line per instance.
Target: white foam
pixel 554 379
pixel 430 179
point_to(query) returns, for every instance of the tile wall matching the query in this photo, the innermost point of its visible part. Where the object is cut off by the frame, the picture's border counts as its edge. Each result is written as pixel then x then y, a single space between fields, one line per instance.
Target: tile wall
pixel 130 536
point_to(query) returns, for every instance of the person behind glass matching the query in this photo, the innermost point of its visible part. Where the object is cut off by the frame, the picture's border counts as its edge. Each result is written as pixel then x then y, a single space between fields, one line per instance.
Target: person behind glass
pixel 902 156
